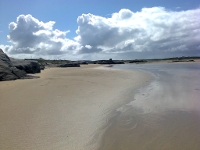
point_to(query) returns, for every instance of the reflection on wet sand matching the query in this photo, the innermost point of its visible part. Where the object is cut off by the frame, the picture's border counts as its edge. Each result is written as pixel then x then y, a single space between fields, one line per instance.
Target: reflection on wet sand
pixel 163 116
pixel 168 130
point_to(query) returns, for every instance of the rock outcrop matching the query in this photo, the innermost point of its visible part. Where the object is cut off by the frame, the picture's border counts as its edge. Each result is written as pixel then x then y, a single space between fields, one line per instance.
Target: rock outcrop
pixel 7 70
pixel 69 65
pixel 27 65
pixel 12 69
pixel 110 61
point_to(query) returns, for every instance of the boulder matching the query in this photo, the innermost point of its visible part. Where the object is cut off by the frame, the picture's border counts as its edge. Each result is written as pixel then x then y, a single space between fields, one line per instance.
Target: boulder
pixel 110 61
pixel 5 60
pixel 19 73
pixel 42 66
pixel 29 66
pixel 6 73
pixel 7 70
pixel 12 69
pixel 137 61
pixel 69 65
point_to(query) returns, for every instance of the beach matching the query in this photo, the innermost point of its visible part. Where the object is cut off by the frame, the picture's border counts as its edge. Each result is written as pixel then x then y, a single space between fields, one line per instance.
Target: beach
pixel 122 107
pixel 162 115
pixel 65 108
pixel 99 75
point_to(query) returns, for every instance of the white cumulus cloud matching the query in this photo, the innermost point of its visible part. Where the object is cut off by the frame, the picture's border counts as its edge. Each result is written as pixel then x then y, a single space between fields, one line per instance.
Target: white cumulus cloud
pixel 150 30
pixel 28 35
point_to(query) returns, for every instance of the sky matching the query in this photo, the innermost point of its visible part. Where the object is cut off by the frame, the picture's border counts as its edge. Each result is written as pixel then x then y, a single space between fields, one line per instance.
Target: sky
pixel 99 29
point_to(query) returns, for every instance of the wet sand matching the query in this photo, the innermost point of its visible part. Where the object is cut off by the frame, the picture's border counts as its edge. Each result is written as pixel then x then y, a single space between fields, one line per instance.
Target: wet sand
pixel 177 130
pixel 165 115
pixel 66 108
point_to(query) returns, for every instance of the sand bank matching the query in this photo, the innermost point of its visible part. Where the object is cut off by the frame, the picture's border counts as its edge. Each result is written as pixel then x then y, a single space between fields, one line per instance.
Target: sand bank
pixel 66 108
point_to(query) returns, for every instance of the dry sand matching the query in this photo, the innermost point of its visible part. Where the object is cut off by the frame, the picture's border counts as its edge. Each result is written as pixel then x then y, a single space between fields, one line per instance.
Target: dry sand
pixel 66 108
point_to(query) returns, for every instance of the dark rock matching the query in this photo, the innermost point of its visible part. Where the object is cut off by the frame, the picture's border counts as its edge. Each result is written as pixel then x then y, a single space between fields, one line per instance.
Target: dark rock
pixel 7 70
pixel 18 73
pixel 69 65
pixel 6 73
pixel 83 63
pixel 12 69
pixel 42 66
pixel 5 59
pixel 110 61
pixel 29 66
pixel 137 61
pixel 191 60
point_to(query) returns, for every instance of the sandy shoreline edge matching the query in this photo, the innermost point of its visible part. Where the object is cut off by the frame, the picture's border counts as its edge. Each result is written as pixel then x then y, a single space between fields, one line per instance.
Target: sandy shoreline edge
pixel 64 108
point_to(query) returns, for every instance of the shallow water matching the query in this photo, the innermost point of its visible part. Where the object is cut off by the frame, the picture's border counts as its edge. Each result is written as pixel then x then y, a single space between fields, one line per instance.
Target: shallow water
pixel 163 115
